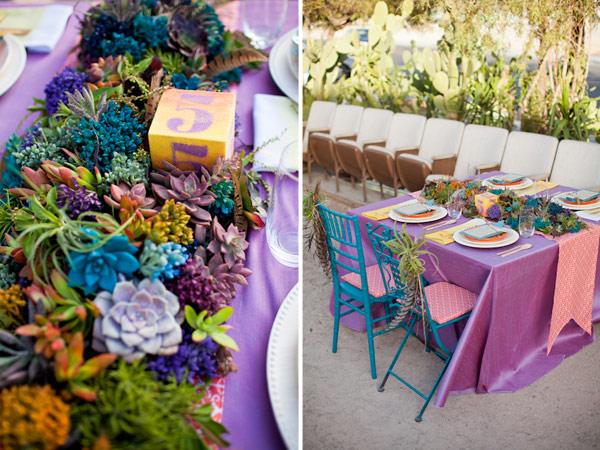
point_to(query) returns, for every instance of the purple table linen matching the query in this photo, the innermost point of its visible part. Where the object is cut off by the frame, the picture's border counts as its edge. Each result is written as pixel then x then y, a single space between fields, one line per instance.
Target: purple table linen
pixel 247 411
pixel 502 346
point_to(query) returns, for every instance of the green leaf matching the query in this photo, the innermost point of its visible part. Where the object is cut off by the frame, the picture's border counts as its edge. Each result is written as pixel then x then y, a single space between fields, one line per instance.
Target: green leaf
pixel 190 316
pixel 221 316
pixel 225 341
pixel 199 336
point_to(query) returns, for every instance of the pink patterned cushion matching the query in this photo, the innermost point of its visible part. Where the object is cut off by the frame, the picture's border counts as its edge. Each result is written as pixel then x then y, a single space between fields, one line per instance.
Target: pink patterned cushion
pixel 447 301
pixel 374 281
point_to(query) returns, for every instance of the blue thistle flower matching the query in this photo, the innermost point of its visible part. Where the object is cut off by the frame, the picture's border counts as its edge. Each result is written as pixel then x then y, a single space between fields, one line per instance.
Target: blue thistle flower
pixel 180 81
pixel 223 204
pixel 56 90
pixel 11 175
pixel 120 44
pixel 151 30
pixel 162 261
pixel 193 361
pixel 117 130
pixel 98 269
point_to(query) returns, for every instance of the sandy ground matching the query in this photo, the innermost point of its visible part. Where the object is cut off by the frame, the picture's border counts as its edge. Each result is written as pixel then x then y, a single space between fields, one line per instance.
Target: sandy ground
pixel 343 410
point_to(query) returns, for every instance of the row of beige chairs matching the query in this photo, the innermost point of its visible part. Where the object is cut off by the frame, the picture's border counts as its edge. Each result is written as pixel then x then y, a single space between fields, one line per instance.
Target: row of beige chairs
pixel 403 150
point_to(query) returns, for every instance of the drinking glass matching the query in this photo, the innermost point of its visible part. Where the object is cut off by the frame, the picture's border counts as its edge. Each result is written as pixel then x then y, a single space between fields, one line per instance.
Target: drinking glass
pixel 262 20
pixel 455 206
pixel 526 223
pixel 282 219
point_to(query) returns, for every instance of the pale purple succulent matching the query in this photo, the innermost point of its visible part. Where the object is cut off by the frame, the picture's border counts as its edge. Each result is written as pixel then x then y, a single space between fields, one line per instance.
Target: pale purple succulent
pixel 136 320
pixel 185 188
pixel 77 201
pixel 230 243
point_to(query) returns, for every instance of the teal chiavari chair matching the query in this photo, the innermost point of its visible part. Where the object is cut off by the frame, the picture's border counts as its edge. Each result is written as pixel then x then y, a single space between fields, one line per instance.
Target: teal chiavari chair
pixel 357 287
pixel 444 304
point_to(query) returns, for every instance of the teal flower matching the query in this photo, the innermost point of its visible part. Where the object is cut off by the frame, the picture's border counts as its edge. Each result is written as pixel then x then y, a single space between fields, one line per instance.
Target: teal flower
pixel 162 260
pixel 223 204
pixel 98 269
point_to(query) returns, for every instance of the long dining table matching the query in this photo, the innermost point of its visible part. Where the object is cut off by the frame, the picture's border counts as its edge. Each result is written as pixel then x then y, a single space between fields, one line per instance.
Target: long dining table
pixel 247 411
pixel 502 347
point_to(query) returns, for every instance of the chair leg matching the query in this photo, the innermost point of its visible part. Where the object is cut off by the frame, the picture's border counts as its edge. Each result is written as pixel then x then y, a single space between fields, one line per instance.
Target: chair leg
pixel 337 178
pixel 353 182
pixel 336 326
pixel 395 187
pixel 409 332
pixel 364 185
pixel 381 189
pixel 371 339
pixel 433 389
pixel 309 169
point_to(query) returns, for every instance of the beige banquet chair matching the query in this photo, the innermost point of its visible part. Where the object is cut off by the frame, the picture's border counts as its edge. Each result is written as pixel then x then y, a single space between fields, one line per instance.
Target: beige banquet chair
pixel 404 136
pixel 374 126
pixel 528 154
pixel 437 153
pixel 345 125
pixel 481 146
pixel 577 165
pixel 320 119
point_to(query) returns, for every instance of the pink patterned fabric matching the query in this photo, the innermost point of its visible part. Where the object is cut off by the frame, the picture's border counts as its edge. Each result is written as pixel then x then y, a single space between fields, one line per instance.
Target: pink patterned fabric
pixel 215 395
pixel 575 281
pixel 374 281
pixel 448 301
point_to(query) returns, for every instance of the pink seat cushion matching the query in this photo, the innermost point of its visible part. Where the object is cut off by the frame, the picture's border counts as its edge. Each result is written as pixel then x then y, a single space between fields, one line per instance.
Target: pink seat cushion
pixel 447 301
pixel 374 281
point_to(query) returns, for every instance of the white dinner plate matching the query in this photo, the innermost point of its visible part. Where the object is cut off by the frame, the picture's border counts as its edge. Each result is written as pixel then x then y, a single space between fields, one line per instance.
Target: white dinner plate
pixel 557 199
pixel 14 64
pixel 511 238
pixel 279 66
pixel 526 182
pixel 282 368
pixel 440 213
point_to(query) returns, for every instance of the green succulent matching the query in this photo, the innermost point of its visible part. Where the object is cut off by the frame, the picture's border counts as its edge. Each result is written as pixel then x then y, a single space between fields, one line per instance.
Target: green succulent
pixel 211 326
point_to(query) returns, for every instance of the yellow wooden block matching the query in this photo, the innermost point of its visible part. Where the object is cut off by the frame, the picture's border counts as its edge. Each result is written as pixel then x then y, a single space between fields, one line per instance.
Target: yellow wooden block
pixel 192 128
pixel 484 201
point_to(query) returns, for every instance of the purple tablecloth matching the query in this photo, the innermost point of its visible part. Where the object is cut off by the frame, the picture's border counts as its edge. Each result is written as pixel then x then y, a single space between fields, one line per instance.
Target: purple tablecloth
pixel 247 411
pixel 502 347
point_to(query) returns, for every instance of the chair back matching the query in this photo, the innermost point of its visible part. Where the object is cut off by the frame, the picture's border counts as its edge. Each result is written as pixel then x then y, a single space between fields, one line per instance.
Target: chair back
pixel 441 137
pixel 342 230
pixel 374 125
pixel 529 154
pixel 320 117
pixel 346 120
pixel 577 165
pixel 480 145
pixel 386 260
pixel 406 132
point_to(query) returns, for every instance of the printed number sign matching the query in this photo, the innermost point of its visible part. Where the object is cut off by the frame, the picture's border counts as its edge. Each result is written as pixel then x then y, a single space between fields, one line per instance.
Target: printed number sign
pixel 192 128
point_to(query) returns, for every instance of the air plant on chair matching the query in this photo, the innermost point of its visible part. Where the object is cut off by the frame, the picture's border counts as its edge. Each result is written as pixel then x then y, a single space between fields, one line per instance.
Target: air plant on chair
pixel 410 253
pixel 314 231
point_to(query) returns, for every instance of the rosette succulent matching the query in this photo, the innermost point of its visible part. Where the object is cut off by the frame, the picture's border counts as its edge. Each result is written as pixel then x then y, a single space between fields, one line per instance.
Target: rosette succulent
pixel 130 198
pixel 137 319
pixel 188 190
pixel 224 204
pixel 98 268
pixel 230 243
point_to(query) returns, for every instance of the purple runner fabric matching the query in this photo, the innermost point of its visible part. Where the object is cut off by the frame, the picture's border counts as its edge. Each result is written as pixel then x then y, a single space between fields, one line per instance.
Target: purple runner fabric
pixel 247 410
pixel 502 346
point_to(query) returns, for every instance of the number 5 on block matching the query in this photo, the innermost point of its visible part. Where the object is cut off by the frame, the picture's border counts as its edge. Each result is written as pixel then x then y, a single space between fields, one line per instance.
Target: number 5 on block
pixel 192 128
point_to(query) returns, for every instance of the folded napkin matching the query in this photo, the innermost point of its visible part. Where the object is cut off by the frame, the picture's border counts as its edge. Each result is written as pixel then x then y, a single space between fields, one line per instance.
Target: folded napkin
pixel 384 213
pixel 47 25
pixel 536 187
pixel 507 178
pixel 446 236
pixel 581 196
pixel 593 215
pixel 275 127
pixel 482 232
pixel 412 209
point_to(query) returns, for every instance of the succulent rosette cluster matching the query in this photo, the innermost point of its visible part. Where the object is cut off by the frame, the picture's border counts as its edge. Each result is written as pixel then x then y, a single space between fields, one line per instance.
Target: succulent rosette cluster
pixel 105 260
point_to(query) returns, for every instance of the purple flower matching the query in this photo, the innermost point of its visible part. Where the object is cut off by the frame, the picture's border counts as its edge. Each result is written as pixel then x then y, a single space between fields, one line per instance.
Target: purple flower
pixel 193 361
pixel 56 91
pixel 494 212
pixel 208 286
pixel 77 200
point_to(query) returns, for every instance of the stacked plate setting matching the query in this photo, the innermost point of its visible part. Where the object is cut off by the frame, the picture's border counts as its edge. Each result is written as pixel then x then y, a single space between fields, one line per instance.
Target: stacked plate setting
pixel 283 64
pixel 12 61
pixel 486 236
pixel 508 181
